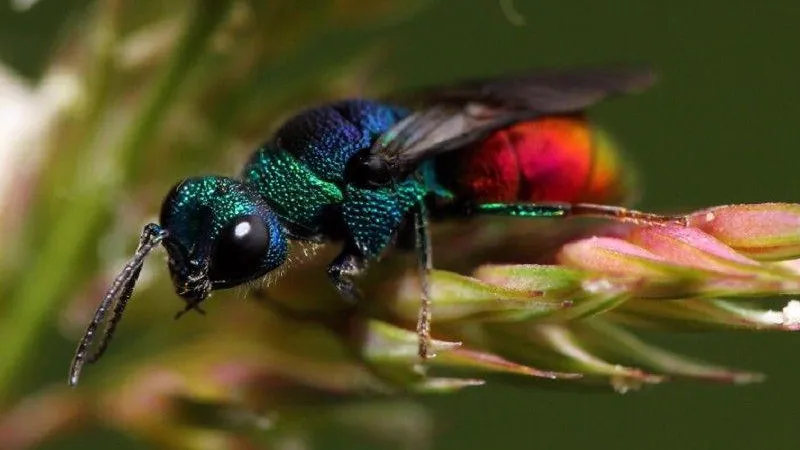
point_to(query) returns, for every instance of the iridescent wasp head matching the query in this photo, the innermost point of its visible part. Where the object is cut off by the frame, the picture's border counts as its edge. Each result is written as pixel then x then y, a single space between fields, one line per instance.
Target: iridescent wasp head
pixel 221 234
pixel 218 234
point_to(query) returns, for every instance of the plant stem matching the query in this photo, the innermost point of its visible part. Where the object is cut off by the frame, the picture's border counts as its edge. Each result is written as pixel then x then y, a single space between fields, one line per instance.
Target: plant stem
pixel 42 287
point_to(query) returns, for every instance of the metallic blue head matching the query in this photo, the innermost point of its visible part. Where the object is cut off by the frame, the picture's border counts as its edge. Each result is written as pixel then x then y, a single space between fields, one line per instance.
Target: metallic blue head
pixel 220 233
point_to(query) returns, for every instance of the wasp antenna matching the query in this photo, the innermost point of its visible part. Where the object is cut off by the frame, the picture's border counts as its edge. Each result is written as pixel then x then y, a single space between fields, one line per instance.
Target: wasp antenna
pixel 116 316
pixel 121 290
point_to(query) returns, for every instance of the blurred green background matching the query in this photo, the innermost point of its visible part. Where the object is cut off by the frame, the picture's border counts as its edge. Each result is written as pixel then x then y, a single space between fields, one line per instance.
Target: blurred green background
pixel 721 127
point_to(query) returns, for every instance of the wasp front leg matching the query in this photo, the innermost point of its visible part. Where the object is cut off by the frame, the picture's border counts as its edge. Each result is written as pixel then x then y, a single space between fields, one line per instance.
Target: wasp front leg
pixel 343 271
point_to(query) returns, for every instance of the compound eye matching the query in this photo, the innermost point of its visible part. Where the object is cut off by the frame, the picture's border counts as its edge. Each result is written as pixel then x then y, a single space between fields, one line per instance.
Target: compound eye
pixel 240 250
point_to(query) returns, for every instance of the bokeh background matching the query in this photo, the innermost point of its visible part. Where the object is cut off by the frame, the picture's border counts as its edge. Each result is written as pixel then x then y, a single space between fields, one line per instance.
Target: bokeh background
pixel 720 127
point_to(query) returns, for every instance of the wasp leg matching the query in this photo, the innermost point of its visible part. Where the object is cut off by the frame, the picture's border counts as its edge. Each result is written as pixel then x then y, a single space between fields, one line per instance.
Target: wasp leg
pixel 343 270
pixel 425 264
pixel 191 305
pixel 533 210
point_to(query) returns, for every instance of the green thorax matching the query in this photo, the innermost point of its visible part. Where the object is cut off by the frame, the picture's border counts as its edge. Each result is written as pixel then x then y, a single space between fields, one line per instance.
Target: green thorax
pixel 300 196
pixel 291 189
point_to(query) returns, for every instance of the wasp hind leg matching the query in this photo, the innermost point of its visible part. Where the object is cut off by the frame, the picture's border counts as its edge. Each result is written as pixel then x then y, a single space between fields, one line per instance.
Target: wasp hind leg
pixel 534 210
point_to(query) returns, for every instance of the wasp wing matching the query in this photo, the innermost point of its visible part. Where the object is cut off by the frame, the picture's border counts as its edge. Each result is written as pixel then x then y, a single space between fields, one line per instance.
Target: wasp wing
pixel 547 92
pixel 448 118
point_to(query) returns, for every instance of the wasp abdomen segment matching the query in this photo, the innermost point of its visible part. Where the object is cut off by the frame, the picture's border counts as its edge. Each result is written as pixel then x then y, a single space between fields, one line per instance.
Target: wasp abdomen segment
pixel 553 159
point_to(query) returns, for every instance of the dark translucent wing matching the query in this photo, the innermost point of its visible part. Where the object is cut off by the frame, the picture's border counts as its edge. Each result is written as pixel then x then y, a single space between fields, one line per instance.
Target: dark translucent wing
pixel 548 92
pixel 450 117
pixel 441 128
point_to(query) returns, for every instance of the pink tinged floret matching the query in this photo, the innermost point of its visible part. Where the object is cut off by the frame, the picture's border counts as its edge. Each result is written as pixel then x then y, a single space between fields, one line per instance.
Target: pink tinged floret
pixel 612 256
pixel 692 248
pixel 765 231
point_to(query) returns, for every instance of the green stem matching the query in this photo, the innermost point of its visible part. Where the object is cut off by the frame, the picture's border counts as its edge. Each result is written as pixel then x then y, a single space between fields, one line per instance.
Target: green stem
pixel 43 287
pixel 208 14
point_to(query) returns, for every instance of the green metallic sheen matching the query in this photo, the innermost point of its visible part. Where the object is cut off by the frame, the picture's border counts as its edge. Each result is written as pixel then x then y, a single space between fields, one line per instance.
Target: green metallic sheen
pixel 521 210
pixel 373 216
pixel 298 195
pixel 292 190
pixel 198 209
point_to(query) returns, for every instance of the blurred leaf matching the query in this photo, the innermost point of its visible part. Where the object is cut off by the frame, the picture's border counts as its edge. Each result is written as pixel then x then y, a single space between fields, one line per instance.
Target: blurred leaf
pixel 30 53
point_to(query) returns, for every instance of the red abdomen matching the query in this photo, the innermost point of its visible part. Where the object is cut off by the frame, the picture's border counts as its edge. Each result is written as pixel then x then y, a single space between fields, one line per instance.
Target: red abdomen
pixel 554 159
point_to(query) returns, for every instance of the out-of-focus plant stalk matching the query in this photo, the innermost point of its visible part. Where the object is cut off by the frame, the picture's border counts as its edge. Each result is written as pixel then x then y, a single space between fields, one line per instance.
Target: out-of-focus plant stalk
pixel 36 294
pixel 43 285
pixel 208 15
